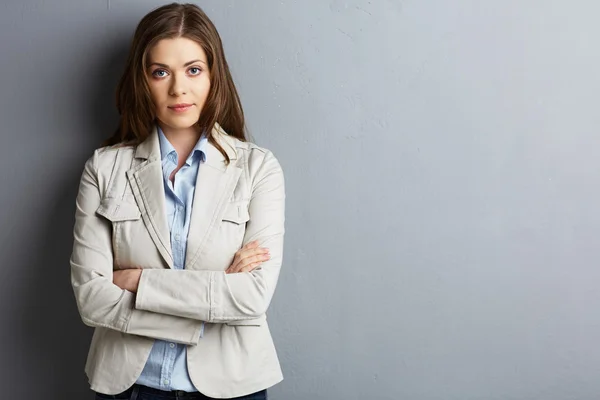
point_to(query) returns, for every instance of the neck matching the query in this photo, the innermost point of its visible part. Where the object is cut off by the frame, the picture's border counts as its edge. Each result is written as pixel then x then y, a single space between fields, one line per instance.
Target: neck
pixel 182 136
pixel 183 140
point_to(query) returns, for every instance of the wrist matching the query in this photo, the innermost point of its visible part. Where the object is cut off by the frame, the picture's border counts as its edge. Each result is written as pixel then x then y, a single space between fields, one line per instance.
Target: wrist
pixel 134 279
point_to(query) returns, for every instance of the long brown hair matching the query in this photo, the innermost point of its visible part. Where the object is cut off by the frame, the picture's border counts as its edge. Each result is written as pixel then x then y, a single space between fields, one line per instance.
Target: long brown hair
pixel 134 102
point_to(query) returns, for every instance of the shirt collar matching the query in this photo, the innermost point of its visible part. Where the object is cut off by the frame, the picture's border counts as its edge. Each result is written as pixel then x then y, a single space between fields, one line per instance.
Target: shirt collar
pixel 167 149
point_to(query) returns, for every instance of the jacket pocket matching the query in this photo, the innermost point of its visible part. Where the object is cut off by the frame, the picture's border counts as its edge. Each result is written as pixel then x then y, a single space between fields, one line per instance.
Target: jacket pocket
pixel 236 213
pixel 249 322
pixel 117 210
pixel 123 216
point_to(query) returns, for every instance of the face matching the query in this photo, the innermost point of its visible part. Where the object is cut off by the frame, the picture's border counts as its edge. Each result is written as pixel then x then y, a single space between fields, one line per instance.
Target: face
pixel 179 81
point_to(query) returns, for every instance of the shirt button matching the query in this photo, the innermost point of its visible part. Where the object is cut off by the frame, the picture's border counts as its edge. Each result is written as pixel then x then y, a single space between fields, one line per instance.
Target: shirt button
pixel 166 381
pixel 177 236
pixel 172 345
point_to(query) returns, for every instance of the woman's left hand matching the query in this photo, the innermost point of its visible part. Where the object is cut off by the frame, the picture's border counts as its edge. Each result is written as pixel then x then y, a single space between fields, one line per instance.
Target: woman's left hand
pixel 128 279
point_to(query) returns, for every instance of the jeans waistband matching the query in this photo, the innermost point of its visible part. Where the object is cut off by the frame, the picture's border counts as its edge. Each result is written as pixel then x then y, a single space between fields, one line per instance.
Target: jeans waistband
pixel 134 391
pixel 168 394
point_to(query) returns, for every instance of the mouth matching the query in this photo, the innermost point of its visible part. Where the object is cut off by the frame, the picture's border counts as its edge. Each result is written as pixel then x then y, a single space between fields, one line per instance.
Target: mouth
pixel 182 107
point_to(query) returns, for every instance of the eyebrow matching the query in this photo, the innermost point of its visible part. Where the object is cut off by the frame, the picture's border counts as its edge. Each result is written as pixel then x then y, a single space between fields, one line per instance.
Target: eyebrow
pixel 185 65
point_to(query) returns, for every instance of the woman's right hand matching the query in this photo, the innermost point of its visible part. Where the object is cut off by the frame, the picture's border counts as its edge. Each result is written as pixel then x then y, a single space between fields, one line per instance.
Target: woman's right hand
pixel 248 258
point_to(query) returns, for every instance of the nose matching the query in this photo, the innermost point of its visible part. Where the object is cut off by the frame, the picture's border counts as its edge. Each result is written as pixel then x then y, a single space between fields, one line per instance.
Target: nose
pixel 178 85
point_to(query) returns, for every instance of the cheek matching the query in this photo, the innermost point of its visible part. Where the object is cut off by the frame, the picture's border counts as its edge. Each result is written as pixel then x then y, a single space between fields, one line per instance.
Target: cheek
pixel 156 95
pixel 202 88
pixel 156 99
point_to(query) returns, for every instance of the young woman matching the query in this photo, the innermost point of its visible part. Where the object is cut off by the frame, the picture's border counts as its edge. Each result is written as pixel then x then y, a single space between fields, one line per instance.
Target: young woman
pixel 179 227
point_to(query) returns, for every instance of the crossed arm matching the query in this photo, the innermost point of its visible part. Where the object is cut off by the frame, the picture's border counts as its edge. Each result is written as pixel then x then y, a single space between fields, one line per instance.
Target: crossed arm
pixel 247 259
pixel 157 311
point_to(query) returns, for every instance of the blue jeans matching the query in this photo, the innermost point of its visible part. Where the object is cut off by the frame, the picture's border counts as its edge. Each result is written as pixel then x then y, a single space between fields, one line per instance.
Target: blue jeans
pixel 139 392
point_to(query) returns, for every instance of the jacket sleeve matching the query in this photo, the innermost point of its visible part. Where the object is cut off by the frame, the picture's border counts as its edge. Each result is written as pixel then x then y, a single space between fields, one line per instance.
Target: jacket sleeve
pixel 215 296
pixel 100 302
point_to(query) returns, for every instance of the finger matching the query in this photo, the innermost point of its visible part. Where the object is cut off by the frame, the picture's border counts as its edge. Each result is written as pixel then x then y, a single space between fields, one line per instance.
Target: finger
pixel 253 252
pixel 259 258
pixel 242 257
pixel 243 252
pixel 250 267
pixel 249 262
pixel 247 247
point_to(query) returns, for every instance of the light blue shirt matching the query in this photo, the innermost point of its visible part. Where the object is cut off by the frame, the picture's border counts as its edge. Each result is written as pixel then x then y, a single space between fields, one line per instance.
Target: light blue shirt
pixel 166 367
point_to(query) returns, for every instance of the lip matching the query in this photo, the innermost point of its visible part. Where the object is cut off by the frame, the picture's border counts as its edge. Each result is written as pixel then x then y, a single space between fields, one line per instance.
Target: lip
pixel 181 107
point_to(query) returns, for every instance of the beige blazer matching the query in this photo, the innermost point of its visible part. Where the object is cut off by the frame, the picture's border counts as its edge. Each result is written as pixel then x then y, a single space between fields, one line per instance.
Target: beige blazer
pixel 120 223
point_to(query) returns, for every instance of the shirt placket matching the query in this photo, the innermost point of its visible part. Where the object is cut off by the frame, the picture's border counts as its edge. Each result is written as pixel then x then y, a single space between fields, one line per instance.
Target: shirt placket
pixel 170 349
pixel 178 222
pixel 168 364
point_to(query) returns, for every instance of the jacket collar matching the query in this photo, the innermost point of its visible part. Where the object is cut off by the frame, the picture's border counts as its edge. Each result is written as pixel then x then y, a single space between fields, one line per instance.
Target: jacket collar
pixel 149 149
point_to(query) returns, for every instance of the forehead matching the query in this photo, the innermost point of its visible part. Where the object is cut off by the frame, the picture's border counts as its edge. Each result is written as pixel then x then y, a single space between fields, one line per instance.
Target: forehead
pixel 176 49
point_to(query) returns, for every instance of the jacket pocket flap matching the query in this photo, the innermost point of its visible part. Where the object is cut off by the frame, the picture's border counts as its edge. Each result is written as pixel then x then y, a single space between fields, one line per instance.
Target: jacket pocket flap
pixel 118 210
pixel 237 213
pixel 249 322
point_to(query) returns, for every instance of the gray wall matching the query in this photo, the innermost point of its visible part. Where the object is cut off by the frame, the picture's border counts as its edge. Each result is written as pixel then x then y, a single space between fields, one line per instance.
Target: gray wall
pixel 442 163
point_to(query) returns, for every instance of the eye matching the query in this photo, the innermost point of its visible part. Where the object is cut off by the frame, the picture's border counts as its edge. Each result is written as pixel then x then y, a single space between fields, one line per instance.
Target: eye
pixel 195 71
pixel 157 73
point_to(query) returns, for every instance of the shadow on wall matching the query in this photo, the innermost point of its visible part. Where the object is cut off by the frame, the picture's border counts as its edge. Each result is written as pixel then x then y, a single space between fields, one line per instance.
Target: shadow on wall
pixel 54 340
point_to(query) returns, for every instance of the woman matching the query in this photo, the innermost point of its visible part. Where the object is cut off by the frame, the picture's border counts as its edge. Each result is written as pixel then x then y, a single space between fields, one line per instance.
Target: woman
pixel 179 228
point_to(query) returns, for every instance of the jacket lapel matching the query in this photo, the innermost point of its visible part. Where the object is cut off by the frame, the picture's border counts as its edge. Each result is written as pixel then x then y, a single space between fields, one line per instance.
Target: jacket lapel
pixel 214 185
pixel 146 182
